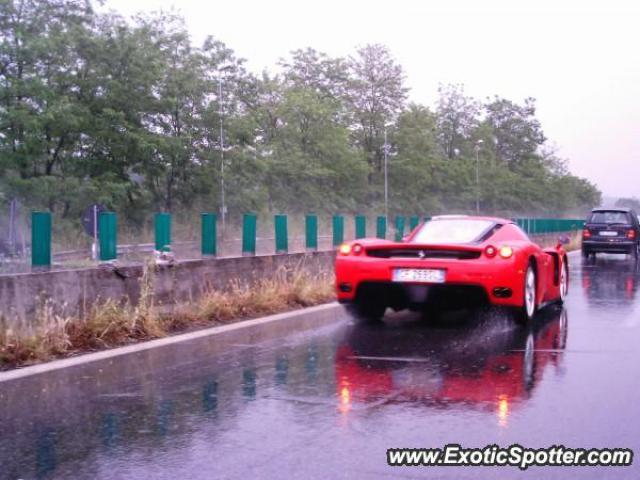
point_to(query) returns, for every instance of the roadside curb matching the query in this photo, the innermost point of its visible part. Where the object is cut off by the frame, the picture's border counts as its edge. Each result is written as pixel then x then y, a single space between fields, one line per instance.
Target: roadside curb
pixel 251 331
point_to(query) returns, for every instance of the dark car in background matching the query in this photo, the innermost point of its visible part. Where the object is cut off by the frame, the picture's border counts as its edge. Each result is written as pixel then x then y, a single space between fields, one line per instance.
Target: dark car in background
pixel 611 230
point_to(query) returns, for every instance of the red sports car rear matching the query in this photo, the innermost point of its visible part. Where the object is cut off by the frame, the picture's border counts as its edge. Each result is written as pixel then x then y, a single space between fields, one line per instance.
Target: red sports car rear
pixel 451 260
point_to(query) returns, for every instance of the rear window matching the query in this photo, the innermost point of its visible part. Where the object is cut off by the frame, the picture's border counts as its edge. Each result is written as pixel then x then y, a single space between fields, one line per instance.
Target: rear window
pixel 610 216
pixel 453 231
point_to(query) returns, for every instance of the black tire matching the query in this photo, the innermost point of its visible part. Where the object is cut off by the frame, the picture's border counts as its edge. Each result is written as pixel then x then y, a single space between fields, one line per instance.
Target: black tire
pixel 634 253
pixel 564 281
pixel 526 312
pixel 367 311
pixel 585 253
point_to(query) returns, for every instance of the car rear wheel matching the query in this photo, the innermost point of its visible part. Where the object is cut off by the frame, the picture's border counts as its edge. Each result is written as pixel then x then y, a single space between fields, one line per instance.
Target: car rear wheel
pixel 585 253
pixel 564 281
pixel 528 309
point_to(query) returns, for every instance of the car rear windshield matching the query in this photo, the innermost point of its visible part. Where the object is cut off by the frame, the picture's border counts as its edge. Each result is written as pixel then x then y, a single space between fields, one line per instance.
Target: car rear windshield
pixel 453 231
pixel 609 216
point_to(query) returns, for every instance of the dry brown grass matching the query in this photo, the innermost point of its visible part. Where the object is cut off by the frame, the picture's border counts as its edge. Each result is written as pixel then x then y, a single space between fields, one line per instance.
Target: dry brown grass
pixel 575 241
pixel 111 323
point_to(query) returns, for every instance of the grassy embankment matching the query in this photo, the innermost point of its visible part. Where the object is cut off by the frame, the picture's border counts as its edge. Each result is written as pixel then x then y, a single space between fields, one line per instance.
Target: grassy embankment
pixel 110 323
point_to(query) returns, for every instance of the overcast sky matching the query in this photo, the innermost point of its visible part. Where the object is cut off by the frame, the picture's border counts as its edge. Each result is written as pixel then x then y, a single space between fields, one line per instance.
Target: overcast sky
pixel 580 60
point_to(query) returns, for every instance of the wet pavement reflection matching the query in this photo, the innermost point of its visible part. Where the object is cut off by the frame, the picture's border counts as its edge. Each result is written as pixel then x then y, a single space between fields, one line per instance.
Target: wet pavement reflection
pixel 327 404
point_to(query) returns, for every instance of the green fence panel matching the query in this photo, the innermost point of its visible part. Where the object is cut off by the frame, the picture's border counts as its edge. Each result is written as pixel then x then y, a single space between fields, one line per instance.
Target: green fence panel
pixel 337 224
pixel 311 232
pixel 108 236
pixel 413 222
pixel 548 225
pixel 381 227
pixel 249 223
pixel 40 239
pixel 163 231
pixel 361 226
pixel 399 229
pixel 209 235
pixel 282 237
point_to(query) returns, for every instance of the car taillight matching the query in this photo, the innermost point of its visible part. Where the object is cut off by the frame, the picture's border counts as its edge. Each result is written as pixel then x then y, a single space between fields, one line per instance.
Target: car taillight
pixel 490 251
pixel 357 249
pixel 506 252
pixel 631 234
pixel 344 249
pixel 586 233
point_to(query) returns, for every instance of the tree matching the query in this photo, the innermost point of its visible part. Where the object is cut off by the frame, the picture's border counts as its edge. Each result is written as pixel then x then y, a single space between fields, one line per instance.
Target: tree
pixel 631 202
pixel 457 117
pixel 41 94
pixel 313 70
pixel 130 113
pixel 518 133
pixel 376 98
pixel 415 166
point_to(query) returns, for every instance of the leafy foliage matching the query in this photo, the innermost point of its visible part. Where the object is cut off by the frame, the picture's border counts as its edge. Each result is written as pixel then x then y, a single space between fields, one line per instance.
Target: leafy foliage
pixel 132 114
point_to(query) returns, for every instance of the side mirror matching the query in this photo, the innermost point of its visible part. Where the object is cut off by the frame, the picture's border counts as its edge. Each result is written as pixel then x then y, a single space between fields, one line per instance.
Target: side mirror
pixel 563 240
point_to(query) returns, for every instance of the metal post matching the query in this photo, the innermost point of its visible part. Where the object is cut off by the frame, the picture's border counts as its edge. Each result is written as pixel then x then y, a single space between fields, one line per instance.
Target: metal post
pixel 40 239
pixel 338 229
pixel 381 227
pixel 361 226
pixel 280 225
pixel 477 149
pixel 12 227
pixel 399 229
pixel 477 180
pixel 249 221
pixel 223 206
pixel 209 246
pixel 386 187
pixel 94 246
pixel 107 236
pixel 311 232
pixel 163 231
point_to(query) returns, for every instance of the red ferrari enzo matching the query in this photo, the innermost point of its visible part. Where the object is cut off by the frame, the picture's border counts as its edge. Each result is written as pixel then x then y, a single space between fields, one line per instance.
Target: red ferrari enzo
pixel 451 260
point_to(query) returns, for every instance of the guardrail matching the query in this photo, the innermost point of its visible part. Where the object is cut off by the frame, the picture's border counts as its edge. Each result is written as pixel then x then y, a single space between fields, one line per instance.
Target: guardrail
pixel 247 245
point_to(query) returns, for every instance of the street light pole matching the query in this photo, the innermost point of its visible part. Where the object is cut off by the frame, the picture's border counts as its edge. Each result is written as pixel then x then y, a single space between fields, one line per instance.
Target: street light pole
pixel 223 207
pixel 477 149
pixel 386 186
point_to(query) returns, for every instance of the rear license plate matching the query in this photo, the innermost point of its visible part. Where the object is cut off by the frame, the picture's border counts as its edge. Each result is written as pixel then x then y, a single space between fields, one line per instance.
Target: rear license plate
pixel 609 234
pixel 426 275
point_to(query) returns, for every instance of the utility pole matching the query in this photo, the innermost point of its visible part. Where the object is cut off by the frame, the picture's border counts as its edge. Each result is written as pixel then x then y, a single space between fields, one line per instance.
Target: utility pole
pixel 223 207
pixel 477 149
pixel 386 186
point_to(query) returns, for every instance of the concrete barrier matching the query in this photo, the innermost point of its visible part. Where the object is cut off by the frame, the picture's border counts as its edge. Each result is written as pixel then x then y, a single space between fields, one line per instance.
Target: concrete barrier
pixel 73 291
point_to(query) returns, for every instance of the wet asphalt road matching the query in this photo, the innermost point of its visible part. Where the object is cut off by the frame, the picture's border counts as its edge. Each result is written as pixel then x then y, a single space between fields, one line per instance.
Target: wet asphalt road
pixel 328 404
